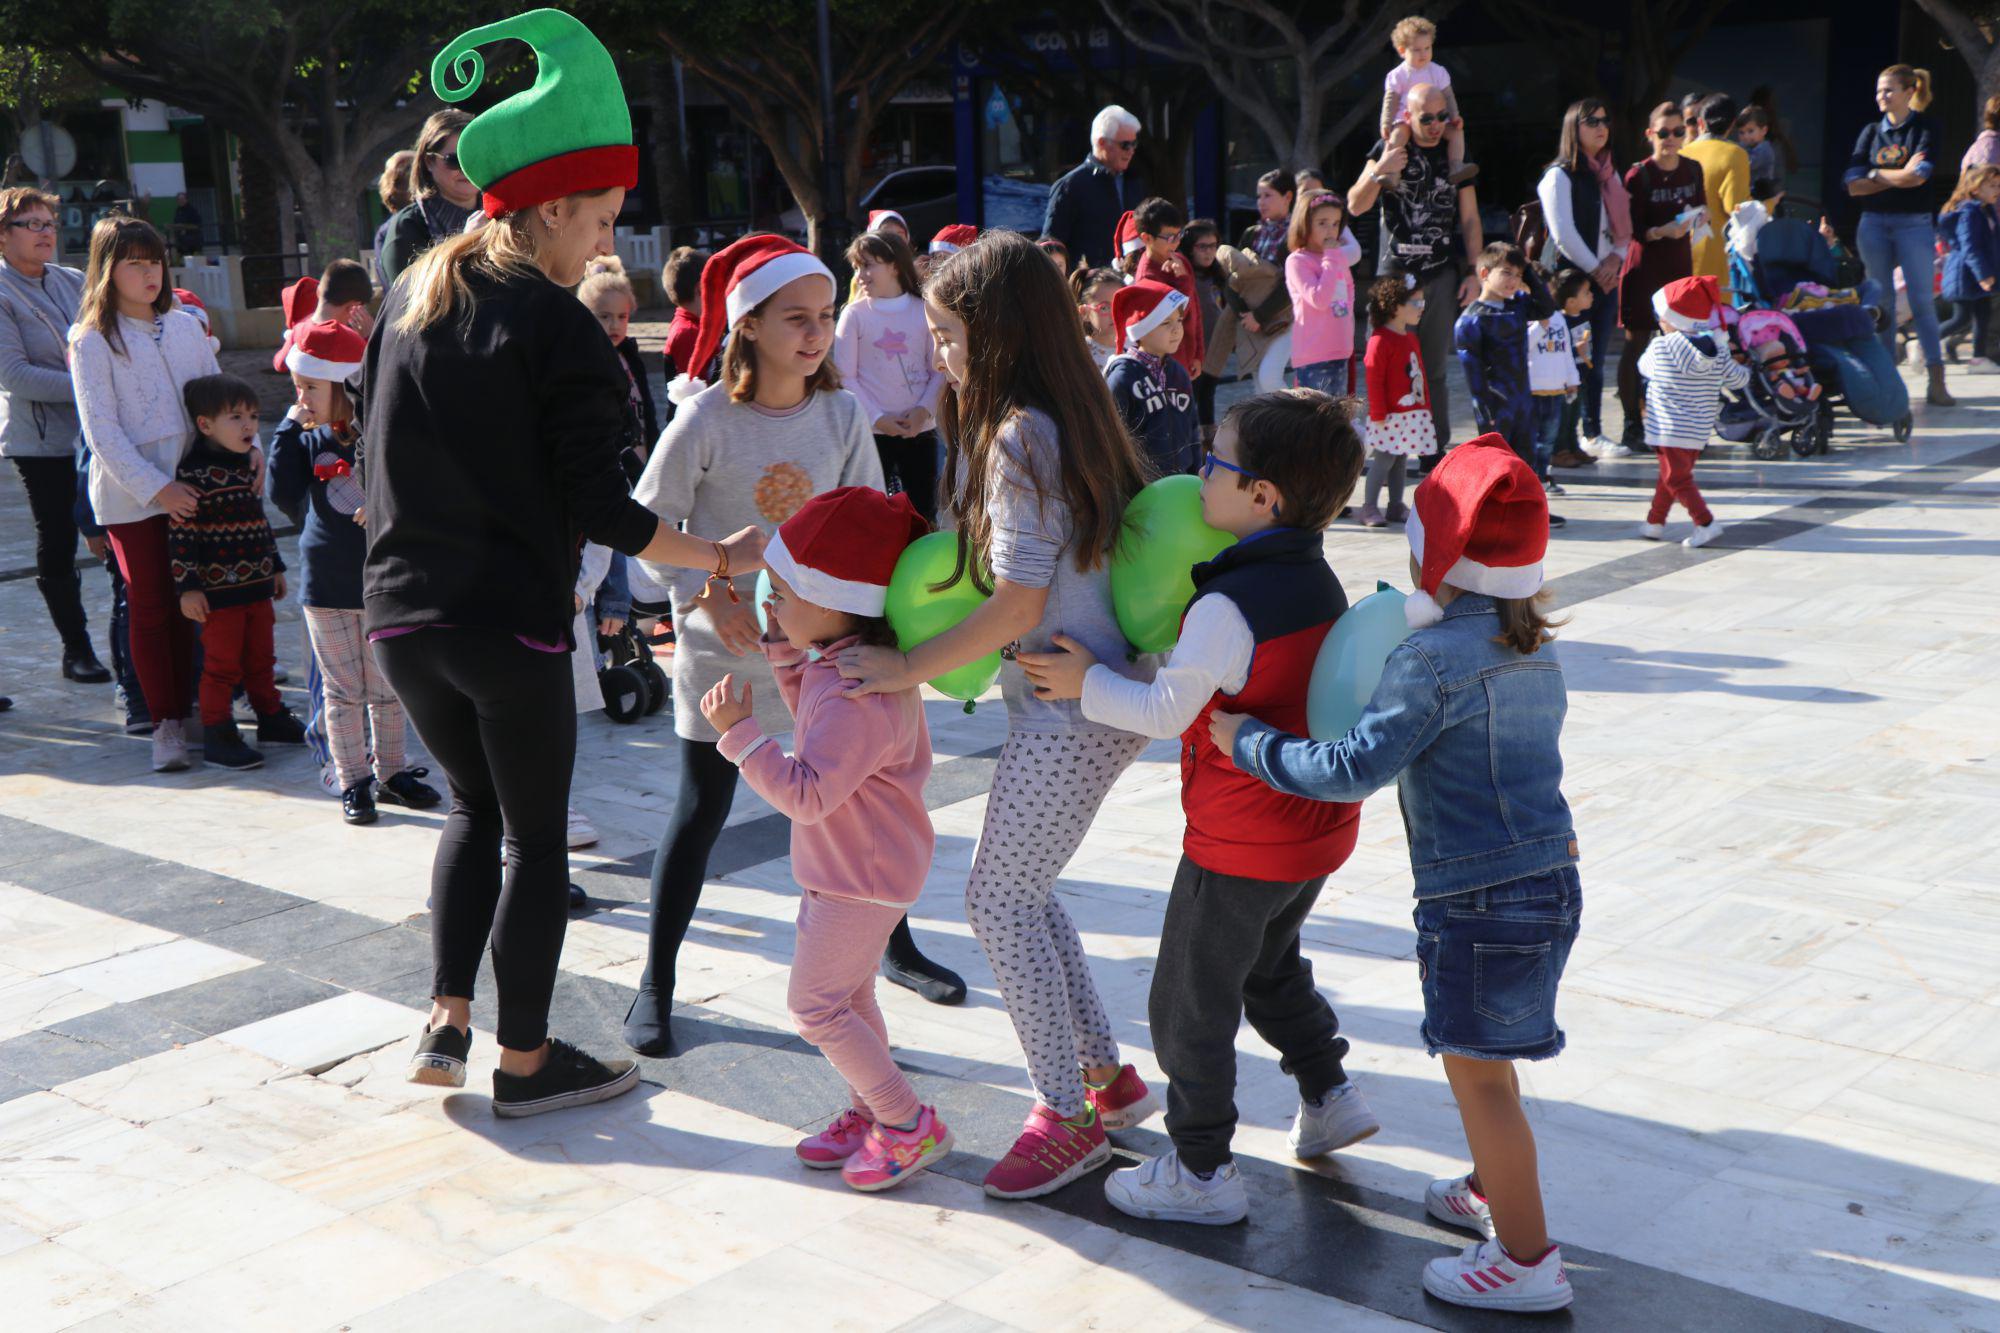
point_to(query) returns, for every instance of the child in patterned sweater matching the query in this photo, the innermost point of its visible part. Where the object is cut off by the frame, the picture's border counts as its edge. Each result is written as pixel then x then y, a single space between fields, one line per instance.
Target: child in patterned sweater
pixel 227 570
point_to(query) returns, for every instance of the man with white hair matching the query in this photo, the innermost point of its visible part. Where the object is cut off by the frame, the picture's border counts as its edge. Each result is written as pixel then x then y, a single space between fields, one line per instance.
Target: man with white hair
pixel 1085 205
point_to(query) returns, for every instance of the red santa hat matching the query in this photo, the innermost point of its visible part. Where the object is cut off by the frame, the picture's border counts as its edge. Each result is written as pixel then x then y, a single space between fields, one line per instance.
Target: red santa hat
pixel 192 304
pixel 1126 237
pixel 950 240
pixel 841 547
pixel 1140 307
pixel 298 301
pixel 326 350
pixel 736 280
pixel 1688 304
pixel 878 216
pixel 1479 522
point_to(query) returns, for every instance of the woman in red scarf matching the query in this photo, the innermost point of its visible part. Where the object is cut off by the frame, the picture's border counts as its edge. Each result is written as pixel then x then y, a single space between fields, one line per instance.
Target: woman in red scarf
pixel 1589 217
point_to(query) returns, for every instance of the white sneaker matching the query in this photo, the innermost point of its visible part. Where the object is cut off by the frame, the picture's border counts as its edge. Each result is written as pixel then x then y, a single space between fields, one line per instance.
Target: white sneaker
pixel 1165 1191
pixel 1610 448
pixel 1338 1120
pixel 1703 536
pixel 1486 1278
pixel 1453 1202
pixel 329 781
pixel 170 751
pixel 1980 365
pixel 582 833
pixel 1652 532
pixel 1914 354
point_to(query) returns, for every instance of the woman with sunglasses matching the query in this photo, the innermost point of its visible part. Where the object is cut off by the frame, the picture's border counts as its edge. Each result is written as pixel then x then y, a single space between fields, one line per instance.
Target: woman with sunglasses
pixel 1589 216
pixel 1665 190
pixel 443 201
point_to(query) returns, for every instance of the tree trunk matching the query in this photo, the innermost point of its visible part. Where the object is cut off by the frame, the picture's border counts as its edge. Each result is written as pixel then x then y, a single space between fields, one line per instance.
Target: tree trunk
pixel 670 171
pixel 327 206
pixel 258 194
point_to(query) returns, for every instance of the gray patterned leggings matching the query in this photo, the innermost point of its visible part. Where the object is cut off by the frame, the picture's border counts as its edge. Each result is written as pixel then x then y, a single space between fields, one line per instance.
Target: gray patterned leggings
pixel 1046 790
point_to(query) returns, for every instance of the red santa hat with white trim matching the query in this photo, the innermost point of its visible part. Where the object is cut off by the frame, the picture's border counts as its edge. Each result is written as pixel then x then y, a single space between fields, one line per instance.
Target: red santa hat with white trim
pixel 193 305
pixel 326 350
pixel 298 301
pixel 1479 522
pixel 736 280
pixel 1126 236
pixel 1688 305
pixel 841 548
pixel 950 240
pixel 878 216
pixel 1140 307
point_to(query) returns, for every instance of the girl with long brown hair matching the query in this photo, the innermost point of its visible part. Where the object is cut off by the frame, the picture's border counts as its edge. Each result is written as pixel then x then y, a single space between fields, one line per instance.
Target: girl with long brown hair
pixel 882 350
pixel 131 354
pixel 1038 471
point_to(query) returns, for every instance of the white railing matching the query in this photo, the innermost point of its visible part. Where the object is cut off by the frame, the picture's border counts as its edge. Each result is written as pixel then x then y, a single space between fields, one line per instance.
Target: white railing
pixel 211 283
pixel 642 252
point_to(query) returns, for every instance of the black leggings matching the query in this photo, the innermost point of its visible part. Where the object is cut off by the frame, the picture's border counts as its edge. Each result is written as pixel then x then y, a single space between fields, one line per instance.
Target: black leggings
pixel 701 807
pixel 51 485
pixel 500 719
pixel 910 465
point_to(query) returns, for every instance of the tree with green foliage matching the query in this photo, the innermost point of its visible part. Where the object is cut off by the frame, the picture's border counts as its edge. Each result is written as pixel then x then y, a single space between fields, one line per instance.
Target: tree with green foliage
pixel 321 92
pixel 762 58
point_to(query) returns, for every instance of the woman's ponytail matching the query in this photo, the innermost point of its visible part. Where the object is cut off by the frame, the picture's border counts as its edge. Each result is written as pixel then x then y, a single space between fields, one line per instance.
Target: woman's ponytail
pixel 1918 80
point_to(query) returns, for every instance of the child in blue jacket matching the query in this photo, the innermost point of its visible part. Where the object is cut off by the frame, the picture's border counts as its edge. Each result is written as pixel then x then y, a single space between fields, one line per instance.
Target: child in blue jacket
pixel 1492 342
pixel 1467 720
pixel 1972 254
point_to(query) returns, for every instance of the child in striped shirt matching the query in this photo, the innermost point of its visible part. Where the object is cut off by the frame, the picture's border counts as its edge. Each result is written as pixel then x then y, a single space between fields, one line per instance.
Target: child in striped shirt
pixel 1686 370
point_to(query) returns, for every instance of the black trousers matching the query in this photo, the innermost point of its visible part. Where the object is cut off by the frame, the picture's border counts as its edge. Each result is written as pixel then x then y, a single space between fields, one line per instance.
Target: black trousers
pixel 500 719
pixel 51 485
pixel 910 465
pixel 1229 950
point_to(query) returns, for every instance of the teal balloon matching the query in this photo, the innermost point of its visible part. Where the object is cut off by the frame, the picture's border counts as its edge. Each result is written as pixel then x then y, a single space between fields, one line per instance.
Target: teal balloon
pixel 919 614
pixel 763 596
pixel 1152 569
pixel 1350 663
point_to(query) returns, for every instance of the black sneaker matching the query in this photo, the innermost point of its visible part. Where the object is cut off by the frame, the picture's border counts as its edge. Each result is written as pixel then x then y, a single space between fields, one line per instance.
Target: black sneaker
pixel 1553 487
pixel 222 745
pixel 569 1077
pixel 357 803
pixel 939 985
pixel 1557 520
pixel 440 1058
pixel 281 728
pixel 138 722
pixel 81 665
pixel 409 788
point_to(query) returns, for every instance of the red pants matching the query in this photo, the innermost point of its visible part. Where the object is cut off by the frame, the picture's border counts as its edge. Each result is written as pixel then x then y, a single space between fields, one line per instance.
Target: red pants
pixel 236 650
pixel 1677 483
pixel 162 638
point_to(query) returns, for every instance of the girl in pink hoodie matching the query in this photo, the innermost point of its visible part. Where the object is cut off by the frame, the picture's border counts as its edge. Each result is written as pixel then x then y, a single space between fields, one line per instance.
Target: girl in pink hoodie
pixel 1322 289
pixel 854 790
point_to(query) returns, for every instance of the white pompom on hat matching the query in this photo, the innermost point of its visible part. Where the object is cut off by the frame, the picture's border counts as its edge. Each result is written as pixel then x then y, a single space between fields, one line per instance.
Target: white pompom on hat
pixel 736 280
pixel 1479 522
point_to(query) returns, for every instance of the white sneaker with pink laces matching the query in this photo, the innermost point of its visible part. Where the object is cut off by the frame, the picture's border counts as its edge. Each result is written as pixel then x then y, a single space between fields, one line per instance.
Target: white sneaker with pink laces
pixel 829 1149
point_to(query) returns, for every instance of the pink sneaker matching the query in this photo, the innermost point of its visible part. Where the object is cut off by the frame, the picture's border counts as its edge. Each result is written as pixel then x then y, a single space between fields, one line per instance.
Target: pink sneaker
pixel 1050 1153
pixel 828 1149
pixel 1124 1102
pixel 891 1156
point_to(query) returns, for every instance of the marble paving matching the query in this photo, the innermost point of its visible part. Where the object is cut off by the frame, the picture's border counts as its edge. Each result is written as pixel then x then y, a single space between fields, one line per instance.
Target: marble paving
pixel 1779 1107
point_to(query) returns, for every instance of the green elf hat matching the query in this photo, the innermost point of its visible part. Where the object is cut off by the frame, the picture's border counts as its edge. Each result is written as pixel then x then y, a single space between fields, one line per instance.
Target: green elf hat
pixel 570 133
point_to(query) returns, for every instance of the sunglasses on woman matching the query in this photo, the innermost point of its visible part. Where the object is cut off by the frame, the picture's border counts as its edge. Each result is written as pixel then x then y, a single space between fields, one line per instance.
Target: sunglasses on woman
pixel 450 160
pixel 1595 122
pixel 1680 132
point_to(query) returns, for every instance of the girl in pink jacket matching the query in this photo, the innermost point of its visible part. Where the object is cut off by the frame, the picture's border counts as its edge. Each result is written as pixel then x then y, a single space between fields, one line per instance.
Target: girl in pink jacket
pixel 1322 289
pixel 854 790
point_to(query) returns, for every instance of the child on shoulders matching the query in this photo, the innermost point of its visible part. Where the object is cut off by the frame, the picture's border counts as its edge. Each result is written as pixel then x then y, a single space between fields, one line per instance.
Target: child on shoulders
pixel 227 570
pixel 1253 862
pixel 1154 395
pixel 1468 718
pixel 1415 39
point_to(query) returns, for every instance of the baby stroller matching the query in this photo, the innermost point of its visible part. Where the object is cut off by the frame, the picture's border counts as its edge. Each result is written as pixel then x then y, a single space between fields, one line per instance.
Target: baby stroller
pixel 633 684
pixel 1783 264
pixel 1780 407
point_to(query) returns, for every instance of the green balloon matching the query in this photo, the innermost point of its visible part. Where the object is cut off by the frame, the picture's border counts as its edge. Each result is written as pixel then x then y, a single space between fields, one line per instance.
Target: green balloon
pixel 763 595
pixel 918 614
pixel 1152 570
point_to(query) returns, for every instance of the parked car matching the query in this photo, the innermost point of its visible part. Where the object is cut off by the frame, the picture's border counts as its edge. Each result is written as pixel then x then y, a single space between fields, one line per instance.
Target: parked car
pixel 927 197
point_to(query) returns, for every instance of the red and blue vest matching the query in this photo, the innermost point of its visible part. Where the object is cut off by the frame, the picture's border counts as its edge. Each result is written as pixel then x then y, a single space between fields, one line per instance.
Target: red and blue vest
pixel 1286 592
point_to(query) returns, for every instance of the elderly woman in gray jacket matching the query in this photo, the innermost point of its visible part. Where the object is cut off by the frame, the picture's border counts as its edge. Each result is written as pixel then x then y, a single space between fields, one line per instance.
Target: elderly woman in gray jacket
pixel 39 427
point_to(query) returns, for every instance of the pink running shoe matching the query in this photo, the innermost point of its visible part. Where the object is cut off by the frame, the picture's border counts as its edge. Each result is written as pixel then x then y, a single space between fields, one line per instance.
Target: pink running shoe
pixel 832 1146
pixel 891 1156
pixel 1125 1102
pixel 1050 1153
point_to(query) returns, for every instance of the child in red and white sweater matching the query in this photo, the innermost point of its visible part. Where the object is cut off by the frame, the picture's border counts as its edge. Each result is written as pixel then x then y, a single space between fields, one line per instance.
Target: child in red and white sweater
pixel 1399 414
pixel 854 790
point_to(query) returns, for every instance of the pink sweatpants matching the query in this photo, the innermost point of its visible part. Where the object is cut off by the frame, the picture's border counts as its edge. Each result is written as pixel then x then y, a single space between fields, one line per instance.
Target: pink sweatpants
pixel 832 999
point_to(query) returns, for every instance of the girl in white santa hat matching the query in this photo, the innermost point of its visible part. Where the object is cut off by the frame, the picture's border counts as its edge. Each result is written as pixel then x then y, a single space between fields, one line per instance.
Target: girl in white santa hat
pixel 773 433
pixel 1037 477
pixel 853 787
pixel 1468 720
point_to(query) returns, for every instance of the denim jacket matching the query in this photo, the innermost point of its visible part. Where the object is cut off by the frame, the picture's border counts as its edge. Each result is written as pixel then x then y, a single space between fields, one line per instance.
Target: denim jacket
pixel 1471 728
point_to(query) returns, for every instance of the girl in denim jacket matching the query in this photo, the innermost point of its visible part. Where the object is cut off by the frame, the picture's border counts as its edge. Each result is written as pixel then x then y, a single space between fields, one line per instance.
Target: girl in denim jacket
pixel 1467 720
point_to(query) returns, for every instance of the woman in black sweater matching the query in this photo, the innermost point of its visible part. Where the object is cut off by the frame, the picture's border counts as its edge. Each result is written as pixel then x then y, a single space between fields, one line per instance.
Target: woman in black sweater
pixel 495 410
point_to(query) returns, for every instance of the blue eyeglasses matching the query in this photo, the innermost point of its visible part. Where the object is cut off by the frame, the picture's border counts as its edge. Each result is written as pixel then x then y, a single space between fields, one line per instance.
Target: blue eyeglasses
pixel 1211 461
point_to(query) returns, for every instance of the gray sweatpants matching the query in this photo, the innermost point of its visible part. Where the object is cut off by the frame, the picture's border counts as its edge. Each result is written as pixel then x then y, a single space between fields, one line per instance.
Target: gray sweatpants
pixel 1046 790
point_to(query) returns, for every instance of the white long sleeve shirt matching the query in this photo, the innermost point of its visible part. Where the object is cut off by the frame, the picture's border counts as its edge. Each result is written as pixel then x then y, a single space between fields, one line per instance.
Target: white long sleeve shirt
pixel 133 417
pixel 1213 654
pixel 1551 357
pixel 1557 212
pixel 1684 388
pixel 882 350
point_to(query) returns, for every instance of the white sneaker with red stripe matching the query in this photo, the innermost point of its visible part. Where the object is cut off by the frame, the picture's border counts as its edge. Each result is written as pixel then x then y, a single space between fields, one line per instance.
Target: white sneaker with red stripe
pixel 1486 1277
pixel 1454 1202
